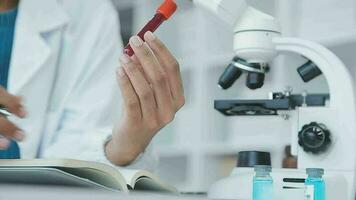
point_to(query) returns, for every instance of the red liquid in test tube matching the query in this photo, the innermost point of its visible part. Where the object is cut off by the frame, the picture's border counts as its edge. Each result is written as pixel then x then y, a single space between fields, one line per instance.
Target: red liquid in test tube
pixel 164 12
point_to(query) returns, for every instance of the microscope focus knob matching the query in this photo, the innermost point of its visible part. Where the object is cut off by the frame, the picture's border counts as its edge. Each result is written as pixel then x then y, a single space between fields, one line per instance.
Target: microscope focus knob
pixel 314 138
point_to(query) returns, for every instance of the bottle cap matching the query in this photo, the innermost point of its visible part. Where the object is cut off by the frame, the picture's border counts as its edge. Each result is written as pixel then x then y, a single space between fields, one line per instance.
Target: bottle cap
pixel 167 8
pixel 252 158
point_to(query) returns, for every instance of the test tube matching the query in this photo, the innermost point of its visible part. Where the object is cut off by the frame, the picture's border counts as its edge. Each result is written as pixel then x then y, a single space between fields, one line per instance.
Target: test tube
pixel 315 184
pixel 262 183
pixel 164 12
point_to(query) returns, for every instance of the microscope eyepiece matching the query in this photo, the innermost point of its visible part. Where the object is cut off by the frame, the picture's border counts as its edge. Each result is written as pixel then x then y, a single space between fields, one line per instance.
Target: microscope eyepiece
pixel 255 80
pixel 230 75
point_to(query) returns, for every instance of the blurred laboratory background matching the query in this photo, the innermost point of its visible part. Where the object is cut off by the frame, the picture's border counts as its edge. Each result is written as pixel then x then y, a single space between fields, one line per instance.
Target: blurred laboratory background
pixel 201 145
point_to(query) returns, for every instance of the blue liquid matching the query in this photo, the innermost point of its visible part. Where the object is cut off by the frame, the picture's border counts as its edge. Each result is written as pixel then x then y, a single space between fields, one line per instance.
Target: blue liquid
pixel 319 187
pixel 262 189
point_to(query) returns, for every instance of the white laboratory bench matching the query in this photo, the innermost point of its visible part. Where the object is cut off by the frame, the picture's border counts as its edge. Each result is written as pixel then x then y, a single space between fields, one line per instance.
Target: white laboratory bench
pixel 28 192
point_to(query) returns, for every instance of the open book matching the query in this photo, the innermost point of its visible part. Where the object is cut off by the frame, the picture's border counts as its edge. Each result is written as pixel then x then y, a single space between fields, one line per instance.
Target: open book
pixel 66 172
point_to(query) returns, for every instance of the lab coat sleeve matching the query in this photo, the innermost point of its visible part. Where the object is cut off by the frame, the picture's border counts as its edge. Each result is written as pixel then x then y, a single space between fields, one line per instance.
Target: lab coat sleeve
pixel 146 160
pixel 93 104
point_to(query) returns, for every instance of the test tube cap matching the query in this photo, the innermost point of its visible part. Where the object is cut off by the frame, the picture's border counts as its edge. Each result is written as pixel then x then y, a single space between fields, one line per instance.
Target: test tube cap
pixel 167 8
pixel 252 158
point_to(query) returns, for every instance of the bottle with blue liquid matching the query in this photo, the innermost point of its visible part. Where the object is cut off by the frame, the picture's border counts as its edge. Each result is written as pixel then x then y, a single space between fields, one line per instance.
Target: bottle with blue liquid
pixel 314 184
pixel 262 183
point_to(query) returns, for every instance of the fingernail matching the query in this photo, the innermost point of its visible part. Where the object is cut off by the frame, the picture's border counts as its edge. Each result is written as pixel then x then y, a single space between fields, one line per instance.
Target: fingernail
pixel 4 143
pixel 149 36
pixel 136 41
pixel 120 72
pixel 124 59
pixel 19 135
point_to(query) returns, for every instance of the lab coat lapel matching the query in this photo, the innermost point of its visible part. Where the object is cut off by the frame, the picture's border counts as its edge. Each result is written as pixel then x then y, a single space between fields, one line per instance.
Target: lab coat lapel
pixel 30 51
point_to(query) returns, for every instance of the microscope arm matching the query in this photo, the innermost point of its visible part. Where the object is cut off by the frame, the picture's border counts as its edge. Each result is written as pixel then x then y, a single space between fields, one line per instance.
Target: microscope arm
pixel 332 68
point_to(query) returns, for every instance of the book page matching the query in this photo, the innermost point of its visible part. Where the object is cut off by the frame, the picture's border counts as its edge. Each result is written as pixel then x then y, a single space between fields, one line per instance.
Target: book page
pixel 102 174
pixel 95 172
pixel 144 180
pixel 44 176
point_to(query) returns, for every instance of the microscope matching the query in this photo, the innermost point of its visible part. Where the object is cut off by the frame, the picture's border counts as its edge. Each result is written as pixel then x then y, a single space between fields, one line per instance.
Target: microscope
pixel 324 129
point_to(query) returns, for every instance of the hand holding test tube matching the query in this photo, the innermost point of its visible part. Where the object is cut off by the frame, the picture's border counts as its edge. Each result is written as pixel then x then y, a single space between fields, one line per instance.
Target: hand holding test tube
pixel 152 91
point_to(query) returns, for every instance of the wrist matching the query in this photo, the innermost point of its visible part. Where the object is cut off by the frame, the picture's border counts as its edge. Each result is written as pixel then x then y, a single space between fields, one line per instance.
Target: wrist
pixel 119 154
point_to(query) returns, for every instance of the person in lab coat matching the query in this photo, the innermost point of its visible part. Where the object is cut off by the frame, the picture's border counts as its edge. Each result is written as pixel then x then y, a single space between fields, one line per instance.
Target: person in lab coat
pixel 62 86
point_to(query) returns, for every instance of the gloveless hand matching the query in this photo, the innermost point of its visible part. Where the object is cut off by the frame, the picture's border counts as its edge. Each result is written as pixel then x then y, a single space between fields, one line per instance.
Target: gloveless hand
pixel 8 130
pixel 152 90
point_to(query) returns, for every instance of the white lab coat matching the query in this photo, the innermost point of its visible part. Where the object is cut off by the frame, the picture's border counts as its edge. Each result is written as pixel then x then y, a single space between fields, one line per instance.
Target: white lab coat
pixel 63 63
